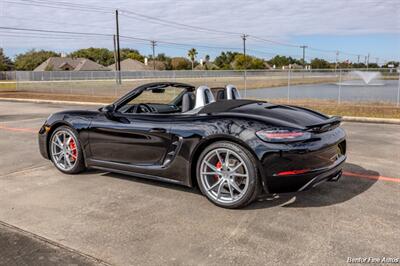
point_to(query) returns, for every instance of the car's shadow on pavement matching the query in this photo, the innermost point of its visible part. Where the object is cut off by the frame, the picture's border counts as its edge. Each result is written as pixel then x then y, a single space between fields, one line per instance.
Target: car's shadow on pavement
pixel 150 182
pixel 326 194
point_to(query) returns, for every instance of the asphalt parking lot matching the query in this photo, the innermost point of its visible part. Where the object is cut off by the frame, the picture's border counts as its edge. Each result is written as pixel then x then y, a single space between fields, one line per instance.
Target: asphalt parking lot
pixel 94 218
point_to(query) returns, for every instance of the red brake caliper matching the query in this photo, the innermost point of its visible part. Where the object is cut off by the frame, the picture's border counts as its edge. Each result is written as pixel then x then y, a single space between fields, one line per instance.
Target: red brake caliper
pixel 72 146
pixel 219 166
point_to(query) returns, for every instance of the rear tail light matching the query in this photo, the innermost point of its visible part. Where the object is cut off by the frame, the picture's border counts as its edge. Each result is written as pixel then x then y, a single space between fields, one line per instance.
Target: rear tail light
pixel 282 135
pixel 293 172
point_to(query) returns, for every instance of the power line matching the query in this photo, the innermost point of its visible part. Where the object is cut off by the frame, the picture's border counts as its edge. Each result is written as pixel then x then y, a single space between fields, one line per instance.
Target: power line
pixel 83 35
pixel 56 23
pixel 48 37
pixel 174 24
pixel 110 35
pixel 55 31
pixel 58 5
pixel 169 23
pixel 272 41
pixel 159 21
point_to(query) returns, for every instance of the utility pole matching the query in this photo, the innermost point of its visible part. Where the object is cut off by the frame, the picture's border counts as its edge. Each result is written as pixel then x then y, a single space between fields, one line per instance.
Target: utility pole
pixel 118 63
pixel 337 60
pixel 244 36
pixel 368 61
pixel 358 59
pixel 115 58
pixel 153 45
pixel 304 55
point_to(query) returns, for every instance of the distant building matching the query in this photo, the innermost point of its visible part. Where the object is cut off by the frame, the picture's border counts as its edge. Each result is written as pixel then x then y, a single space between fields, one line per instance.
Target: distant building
pixel 69 64
pixel 293 66
pixel 131 65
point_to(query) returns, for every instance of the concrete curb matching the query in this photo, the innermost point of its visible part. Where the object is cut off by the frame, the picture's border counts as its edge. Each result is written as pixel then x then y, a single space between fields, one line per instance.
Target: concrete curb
pixel 345 118
pixel 371 120
pixel 50 101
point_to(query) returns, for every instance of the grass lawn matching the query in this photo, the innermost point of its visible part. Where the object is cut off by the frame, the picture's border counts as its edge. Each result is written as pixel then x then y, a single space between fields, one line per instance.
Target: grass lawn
pixel 8 86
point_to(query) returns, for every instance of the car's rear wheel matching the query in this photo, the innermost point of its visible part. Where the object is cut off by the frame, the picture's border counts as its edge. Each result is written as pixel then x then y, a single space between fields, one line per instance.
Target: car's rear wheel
pixel 227 175
pixel 65 151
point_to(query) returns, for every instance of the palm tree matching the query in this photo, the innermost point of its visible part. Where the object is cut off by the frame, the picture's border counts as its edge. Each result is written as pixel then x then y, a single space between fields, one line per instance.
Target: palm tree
pixel 192 53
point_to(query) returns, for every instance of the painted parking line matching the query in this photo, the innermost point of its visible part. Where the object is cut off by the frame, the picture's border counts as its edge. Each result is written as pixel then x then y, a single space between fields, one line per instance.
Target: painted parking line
pixel 18 129
pixel 374 177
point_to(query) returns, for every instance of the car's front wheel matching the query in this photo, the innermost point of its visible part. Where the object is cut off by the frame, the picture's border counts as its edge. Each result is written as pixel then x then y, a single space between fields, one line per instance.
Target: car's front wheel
pixel 227 175
pixel 65 151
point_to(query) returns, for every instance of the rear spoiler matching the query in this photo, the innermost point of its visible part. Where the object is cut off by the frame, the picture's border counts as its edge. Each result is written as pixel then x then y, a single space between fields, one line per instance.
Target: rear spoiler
pixel 327 125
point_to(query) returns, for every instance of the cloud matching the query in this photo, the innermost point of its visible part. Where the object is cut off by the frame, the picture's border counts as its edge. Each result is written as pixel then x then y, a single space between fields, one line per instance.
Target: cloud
pixel 276 19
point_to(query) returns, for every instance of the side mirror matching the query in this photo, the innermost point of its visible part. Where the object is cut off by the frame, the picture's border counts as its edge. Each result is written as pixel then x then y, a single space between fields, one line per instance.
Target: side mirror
pixel 108 108
pixel 158 90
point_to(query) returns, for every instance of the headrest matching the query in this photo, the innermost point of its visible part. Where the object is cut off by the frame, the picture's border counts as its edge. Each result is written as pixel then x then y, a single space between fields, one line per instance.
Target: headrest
pixel 204 96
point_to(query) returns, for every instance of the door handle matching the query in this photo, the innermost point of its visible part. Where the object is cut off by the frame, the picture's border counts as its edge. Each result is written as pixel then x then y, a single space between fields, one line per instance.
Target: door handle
pixel 158 130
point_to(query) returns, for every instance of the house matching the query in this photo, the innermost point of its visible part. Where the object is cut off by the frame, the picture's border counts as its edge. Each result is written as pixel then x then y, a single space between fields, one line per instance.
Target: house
pixel 293 66
pixel 69 64
pixel 131 65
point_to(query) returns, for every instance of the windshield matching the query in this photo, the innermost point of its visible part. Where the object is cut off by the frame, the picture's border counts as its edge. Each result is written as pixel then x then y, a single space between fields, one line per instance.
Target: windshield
pixel 167 95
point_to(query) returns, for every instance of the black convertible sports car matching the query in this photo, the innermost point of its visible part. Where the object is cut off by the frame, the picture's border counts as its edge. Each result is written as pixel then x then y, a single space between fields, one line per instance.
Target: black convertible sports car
pixel 233 149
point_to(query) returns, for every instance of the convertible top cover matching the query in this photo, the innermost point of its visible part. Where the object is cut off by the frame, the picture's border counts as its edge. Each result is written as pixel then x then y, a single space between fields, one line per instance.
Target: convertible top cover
pixel 225 106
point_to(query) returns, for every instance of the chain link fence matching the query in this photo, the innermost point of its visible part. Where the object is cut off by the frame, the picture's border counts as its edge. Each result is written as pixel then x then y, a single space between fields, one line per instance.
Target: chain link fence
pixel 361 86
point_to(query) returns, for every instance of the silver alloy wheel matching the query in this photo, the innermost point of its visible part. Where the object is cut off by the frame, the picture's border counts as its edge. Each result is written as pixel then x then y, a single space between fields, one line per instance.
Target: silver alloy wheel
pixel 224 175
pixel 64 150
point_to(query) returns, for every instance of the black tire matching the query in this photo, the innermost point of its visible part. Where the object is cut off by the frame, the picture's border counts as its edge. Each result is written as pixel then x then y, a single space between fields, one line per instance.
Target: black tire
pixel 253 188
pixel 79 164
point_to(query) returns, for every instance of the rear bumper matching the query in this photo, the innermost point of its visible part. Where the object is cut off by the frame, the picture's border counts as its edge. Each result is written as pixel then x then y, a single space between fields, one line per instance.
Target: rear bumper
pixel 298 167
pixel 320 175
pixel 305 181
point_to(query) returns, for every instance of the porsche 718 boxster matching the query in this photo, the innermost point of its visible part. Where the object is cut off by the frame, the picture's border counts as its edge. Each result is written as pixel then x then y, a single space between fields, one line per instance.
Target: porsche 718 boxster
pixel 233 149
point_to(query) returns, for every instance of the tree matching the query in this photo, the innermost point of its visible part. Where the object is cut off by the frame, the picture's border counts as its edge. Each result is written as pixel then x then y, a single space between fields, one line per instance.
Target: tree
pixel 281 60
pixel 318 63
pixel 165 59
pixel 358 65
pixel 192 53
pixel 5 62
pixel 180 63
pixel 102 56
pixel 394 63
pixel 373 65
pixel 162 57
pixel 251 62
pixel 344 64
pixel 225 60
pixel 32 59
pixel 132 54
pixel 207 58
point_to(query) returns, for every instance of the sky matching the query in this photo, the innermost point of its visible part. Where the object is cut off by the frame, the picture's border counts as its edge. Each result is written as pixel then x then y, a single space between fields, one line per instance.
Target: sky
pixel 353 27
